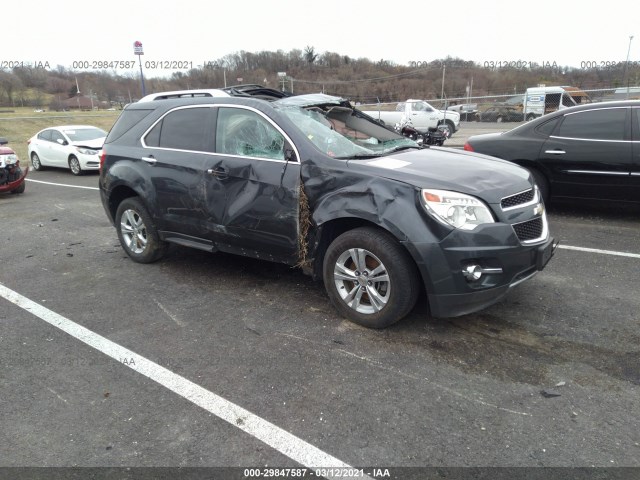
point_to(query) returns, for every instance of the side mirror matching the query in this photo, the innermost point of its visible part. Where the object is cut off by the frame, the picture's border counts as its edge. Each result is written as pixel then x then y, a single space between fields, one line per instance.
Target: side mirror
pixel 62 142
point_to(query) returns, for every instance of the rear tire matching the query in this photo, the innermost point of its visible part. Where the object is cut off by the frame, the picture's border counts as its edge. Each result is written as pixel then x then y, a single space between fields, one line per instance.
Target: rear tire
pixel 542 183
pixel 137 232
pixel 370 278
pixel 35 162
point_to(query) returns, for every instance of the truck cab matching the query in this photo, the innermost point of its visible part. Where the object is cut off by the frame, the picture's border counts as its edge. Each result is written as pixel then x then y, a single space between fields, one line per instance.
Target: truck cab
pixel 423 116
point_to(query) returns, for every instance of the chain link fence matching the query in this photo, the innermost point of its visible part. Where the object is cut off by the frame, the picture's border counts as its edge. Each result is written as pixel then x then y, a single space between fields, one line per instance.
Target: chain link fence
pixel 517 107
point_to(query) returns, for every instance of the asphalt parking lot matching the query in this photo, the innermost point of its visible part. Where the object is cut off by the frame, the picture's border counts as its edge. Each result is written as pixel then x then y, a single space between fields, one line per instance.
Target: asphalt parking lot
pixel 258 370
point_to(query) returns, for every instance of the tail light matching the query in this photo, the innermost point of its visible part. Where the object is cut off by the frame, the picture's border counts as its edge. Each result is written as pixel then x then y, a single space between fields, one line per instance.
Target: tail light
pixel 468 147
pixel 103 155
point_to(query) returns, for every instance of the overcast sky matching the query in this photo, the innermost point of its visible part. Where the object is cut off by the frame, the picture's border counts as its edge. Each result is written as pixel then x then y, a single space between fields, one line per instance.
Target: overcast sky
pixel 567 33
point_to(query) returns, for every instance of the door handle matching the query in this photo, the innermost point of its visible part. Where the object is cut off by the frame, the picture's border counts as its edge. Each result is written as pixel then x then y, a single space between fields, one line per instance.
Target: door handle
pixel 555 152
pixel 218 172
pixel 149 160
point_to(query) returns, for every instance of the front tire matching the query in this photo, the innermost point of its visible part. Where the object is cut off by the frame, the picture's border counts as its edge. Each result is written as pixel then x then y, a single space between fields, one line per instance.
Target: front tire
pixel 74 165
pixel 137 232
pixel 370 278
pixel 20 189
pixel 452 128
pixel 445 129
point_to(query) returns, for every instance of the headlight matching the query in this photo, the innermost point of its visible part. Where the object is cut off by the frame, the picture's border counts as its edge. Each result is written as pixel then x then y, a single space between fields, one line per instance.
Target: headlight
pixel 456 209
pixel 87 151
pixel 8 159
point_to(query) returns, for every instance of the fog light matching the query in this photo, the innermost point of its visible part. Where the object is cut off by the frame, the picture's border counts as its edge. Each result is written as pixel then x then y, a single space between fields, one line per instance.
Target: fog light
pixel 474 272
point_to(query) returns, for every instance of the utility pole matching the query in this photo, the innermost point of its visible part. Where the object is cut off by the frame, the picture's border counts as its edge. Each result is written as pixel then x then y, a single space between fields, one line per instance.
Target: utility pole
pixel 626 66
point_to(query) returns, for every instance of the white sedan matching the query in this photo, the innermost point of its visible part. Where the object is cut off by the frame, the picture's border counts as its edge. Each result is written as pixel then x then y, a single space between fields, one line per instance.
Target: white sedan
pixel 75 147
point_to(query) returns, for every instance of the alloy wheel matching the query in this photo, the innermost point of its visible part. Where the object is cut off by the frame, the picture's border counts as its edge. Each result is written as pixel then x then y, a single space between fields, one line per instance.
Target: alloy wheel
pixel 362 280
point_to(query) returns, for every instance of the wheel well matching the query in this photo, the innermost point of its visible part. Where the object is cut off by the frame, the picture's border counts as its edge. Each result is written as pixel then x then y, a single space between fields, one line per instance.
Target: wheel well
pixel 531 165
pixel 118 194
pixel 332 230
pixel 449 124
pixel 534 167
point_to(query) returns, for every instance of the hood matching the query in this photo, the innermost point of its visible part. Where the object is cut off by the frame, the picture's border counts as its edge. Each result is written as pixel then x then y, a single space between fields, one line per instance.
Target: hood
pixel 450 114
pixel 482 176
pixel 312 100
pixel 96 143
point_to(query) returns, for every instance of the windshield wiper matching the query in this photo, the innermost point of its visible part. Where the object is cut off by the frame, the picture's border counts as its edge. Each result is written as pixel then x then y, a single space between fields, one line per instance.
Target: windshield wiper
pixel 402 147
pixel 360 156
pixel 379 154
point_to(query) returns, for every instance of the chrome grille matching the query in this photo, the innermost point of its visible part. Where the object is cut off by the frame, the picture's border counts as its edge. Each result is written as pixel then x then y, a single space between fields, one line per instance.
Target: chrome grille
pixel 529 230
pixel 517 199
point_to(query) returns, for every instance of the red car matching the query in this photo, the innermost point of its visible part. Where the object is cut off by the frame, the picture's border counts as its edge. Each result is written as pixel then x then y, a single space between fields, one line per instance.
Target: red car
pixel 11 175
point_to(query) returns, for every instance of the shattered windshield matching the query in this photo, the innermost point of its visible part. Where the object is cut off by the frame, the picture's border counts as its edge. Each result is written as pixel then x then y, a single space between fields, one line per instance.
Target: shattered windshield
pixel 338 133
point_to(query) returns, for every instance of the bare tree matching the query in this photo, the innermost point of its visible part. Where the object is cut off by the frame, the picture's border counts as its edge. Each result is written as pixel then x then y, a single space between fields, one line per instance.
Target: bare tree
pixel 9 83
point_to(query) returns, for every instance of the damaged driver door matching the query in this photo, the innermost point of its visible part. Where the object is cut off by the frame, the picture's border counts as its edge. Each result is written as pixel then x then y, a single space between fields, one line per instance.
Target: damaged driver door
pixel 251 188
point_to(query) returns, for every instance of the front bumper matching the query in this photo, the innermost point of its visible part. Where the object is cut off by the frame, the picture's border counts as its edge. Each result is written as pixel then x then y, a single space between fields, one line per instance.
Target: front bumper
pixel 15 180
pixel 89 162
pixel 506 260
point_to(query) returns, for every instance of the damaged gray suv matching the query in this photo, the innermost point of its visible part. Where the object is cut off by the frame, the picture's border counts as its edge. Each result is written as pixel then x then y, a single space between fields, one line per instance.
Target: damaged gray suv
pixel 311 182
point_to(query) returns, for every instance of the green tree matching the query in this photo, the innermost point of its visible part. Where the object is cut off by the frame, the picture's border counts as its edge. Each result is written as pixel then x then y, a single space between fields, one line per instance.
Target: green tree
pixel 310 55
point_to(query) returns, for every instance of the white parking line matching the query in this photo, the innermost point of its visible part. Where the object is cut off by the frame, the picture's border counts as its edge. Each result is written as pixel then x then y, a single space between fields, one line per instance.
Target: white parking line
pixel 274 436
pixel 596 250
pixel 61 184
